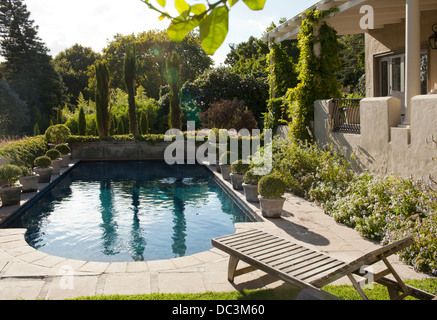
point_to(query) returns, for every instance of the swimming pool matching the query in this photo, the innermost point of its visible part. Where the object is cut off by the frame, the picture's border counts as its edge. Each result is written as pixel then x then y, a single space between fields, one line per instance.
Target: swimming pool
pixel 131 211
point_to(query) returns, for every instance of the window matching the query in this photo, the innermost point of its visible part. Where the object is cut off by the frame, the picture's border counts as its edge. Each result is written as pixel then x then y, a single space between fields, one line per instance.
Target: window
pixel 392 74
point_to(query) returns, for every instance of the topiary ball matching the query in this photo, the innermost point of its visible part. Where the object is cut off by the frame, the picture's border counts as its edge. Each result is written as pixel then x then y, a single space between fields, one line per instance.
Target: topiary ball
pixel 53 154
pixel 43 162
pixel 239 167
pixel 251 178
pixel 63 148
pixel 272 186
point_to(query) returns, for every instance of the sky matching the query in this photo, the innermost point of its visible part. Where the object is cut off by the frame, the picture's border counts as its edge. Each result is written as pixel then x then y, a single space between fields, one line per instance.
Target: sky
pixel 92 23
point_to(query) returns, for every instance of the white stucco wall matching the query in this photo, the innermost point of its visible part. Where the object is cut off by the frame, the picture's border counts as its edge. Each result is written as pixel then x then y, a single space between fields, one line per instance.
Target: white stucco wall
pixel 384 147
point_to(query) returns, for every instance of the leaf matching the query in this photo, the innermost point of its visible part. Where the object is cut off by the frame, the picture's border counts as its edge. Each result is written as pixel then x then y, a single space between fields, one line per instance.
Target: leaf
pixel 198 9
pixel 232 2
pixel 181 6
pixel 178 29
pixel 255 4
pixel 161 3
pixel 214 29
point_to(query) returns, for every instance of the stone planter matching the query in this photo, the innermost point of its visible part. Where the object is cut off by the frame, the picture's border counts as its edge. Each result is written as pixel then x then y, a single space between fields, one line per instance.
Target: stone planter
pixel 45 174
pixel 237 181
pixel 271 208
pixel 29 183
pixel 10 196
pixel 56 164
pixel 251 192
pixel 65 160
pixel 226 171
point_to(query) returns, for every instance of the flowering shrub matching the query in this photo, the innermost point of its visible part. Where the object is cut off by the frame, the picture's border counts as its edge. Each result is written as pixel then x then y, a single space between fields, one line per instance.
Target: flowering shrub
pixel 383 209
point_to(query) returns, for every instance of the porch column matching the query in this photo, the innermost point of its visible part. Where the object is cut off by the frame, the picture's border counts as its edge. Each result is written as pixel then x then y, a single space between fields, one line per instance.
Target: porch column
pixel 412 54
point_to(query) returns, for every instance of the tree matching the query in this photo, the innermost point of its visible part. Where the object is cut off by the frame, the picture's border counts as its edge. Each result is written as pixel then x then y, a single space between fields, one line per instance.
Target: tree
pixel 173 79
pixel 152 49
pixel 103 116
pixel 14 115
pixel 73 65
pixel 130 71
pixel 352 56
pixel 27 67
pixel 82 122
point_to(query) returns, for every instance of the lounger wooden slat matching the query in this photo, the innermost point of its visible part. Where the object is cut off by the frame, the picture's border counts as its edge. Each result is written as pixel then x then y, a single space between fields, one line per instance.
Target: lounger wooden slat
pixel 307 268
pixel 266 250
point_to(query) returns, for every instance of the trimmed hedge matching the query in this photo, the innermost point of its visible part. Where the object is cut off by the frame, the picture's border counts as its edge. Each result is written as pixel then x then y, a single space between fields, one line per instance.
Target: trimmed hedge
pixel 24 152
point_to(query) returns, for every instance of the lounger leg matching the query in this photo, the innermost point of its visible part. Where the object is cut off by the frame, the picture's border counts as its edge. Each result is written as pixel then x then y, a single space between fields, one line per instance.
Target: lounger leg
pixel 232 267
pixel 357 287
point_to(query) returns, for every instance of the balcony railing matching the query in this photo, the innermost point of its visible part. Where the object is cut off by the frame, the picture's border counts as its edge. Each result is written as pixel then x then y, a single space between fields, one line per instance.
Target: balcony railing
pixel 345 116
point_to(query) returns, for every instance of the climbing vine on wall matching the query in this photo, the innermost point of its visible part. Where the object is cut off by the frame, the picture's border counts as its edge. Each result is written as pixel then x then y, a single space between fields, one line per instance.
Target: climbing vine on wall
pixel 317 73
pixel 282 76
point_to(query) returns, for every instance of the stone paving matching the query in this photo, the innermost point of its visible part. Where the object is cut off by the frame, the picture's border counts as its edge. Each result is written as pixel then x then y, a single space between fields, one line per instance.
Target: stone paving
pixel 26 273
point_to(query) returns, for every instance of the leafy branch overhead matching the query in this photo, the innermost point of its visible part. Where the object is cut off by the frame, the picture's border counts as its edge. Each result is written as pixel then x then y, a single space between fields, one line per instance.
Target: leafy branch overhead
pixel 211 18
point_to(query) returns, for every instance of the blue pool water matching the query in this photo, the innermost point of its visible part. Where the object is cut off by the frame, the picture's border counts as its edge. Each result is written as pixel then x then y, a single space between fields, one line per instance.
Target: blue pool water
pixel 130 211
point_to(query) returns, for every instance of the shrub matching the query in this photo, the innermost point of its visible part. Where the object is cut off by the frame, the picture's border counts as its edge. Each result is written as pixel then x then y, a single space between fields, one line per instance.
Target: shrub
pixel 272 186
pixel 57 134
pixel 251 178
pixel 53 154
pixel 239 167
pixel 63 148
pixel 9 174
pixel 24 152
pixel 43 162
pixel 228 114
pixel 225 84
pixel 26 171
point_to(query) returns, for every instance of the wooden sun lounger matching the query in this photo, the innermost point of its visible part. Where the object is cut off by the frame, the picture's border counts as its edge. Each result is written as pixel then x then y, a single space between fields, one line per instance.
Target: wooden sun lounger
pixel 309 269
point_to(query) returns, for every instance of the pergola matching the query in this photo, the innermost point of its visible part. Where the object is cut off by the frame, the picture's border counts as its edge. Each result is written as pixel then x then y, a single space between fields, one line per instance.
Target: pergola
pixel 347 21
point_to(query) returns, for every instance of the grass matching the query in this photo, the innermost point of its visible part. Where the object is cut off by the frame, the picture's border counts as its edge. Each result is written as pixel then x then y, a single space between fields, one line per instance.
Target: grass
pixel 344 292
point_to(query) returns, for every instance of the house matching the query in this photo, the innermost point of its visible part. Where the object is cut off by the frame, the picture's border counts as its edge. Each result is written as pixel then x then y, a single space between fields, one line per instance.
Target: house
pixel 398 118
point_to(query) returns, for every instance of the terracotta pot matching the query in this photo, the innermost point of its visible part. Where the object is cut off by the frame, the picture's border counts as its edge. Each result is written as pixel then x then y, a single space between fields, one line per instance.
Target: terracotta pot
pixel 10 196
pixel 56 164
pixel 251 192
pixel 271 208
pixel 45 174
pixel 237 181
pixel 29 183
pixel 226 171
pixel 65 160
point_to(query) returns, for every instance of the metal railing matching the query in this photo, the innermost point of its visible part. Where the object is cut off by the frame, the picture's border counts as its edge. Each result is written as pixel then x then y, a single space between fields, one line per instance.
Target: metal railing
pixel 345 116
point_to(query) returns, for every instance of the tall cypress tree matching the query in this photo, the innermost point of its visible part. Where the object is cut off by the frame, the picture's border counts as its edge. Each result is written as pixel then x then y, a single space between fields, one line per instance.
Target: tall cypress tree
pixel 130 72
pixel 27 67
pixel 103 114
pixel 173 66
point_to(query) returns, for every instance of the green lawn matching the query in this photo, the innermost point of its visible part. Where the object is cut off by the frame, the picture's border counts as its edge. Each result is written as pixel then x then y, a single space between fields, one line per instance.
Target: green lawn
pixel 345 292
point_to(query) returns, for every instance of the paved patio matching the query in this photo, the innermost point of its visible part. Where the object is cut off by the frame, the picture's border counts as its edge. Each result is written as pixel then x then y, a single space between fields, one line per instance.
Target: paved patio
pixel 26 273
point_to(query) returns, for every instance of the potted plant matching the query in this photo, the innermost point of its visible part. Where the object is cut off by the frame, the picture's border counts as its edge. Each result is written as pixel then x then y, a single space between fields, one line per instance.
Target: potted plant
pixel 43 167
pixel 250 186
pixel 57 134
pixel 271 189
pixel 238 170
pixel 225 167
pixel 10 190
pixel 29 180
pixel 65 150
pixel 55 157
